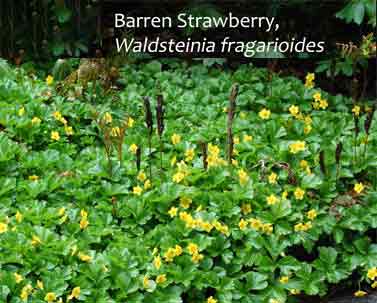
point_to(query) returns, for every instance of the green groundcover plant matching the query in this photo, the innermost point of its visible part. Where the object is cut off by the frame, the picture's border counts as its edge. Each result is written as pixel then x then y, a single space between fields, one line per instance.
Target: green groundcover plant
pixel 101 203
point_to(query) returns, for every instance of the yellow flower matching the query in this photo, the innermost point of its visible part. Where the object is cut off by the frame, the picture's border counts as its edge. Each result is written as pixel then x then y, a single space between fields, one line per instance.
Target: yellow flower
pixel 19 217
pixel 137 190
pixel 242 224
pixel 157 262
pixel 358 187
pixel 133 148
pixel 311 214
pixel 35 240
pixel 146 282
pixel 147 184
pixel 294 291
pixel 225 109
pixel 211 300
pixel 130 122
pixel 170 254
pixel 178 177
pixel 75 294
pixel 299 193
pixel 84 258
pixel 323 103
pixel 284 279
pixel 36 120
pixel 274 301
pixel 303 227
pixel 246 208
pixel 141 176
pixel 267 228
pixel 272 178
pixel 374 285
pixel 68 130
pixel 310 77
pixel 185 202
pixel 189 154
pixel 173 212
pixel 57 115
pixel 178 250
pixel 84 223
pixel 49 80
pixel 264 113
pixel 372 273
pixel 3 228
pixel 161 279
pixel 107 118
pixel 40 284
pixel 50 297
pixel 61 211
pixel 21 111
pixel 317 96
pixel 296 147
pixel 272 199
pixel 83 213
pixel 18 278
pixel 360 293
pixel 196 258
pixel 193 248
pixel 294 110
pixel 247 138
pixel 356 110
pixel 244 178
pixel 33 178
pixel 25 292
pixel 175 139
pixel 55 135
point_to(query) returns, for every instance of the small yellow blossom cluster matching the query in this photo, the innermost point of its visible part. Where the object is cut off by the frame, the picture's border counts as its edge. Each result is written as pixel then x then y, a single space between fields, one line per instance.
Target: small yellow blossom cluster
pixel 3 227
pixel 258 225
pixel 356 110
pixel 84 222
pixel 272 178
pixel 318 102
pixel 25 292
pixel 296 147
pixel 133 148
pixel 49 80
pixel 211 299
pixel 173 252
pixel 272 199
pixel 75 294
pixel 305 166
pixel 175 139
pixel 107 118
pixel 189 154
pixel 309 80
pixel 264 114
pixel 193 250
pixel 68 129
pixel 35 240
pixel 372 275
pixel 358 187
pixel 360 293
pixel 243 176
pixel 214 158
pixel 62 215
pixel 142 177
pixel 181 173
pixel 303 226
pixel 299 193
pixel 195 223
